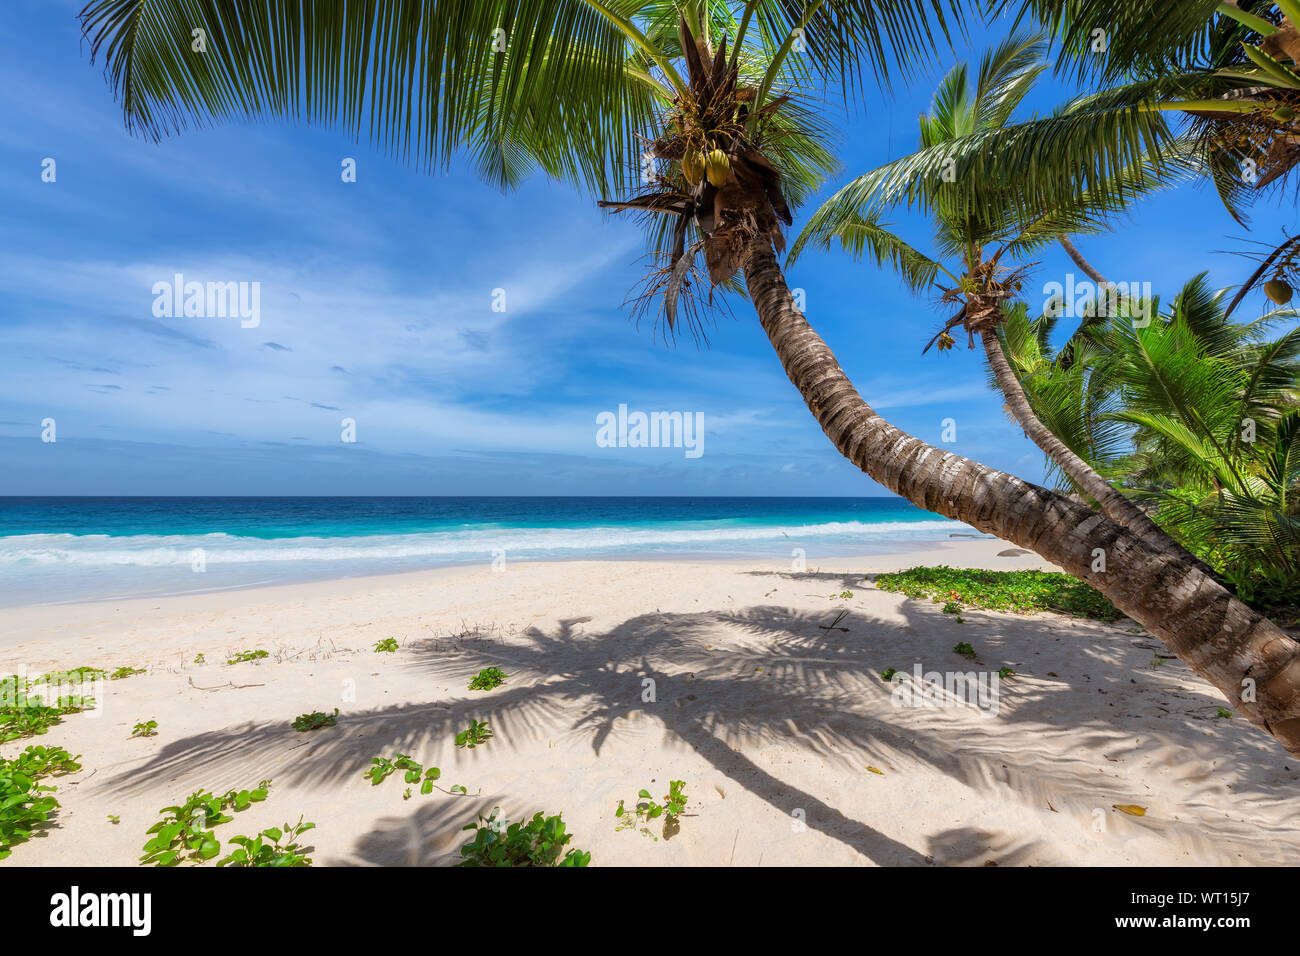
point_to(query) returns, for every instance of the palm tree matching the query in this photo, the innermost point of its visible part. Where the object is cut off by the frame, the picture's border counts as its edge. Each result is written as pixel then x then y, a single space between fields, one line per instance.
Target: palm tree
pixel 575 82
pixel 1199 414
pixel 1228 69
pixel 981 241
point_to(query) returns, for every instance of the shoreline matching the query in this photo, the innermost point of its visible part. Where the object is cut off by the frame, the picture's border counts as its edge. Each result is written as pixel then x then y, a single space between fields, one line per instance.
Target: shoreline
pixel 766 698
pixel 888 549
pixel 965 552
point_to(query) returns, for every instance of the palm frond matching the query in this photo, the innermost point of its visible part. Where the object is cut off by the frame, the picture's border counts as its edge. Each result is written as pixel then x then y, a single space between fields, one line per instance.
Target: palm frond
pixel 1114 39
pixel 419 78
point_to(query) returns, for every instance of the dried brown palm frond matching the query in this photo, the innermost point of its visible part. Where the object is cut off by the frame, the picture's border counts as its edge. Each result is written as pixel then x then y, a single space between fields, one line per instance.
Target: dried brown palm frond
pixel 679 288
pixel 981 294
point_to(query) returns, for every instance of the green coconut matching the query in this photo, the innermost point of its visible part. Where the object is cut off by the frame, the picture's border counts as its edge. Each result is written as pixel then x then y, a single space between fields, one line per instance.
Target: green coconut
pixel 693 167
pixel 718 167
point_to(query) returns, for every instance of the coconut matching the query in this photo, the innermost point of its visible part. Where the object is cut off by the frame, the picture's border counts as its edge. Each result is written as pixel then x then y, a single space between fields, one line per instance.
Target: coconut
pixel 718 167
pixel 1279 290
pixel 693 167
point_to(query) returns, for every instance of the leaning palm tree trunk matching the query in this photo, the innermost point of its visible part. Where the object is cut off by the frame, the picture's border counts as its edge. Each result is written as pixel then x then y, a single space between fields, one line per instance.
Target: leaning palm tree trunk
pixel 1072 251
pixel 1252 662
pixel 1113 503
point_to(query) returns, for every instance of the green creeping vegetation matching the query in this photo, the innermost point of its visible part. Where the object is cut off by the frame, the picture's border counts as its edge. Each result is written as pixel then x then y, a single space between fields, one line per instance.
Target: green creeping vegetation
pixel 1020 591
pixel 539 842
pixel 23 715
pixel 842 595
pixel 1223 713
pixel 123 672
pixel 387 646
pixel 243 656
pixel 646 810
pixel 199 659
pixel 965 650
pixel 30 720
pixel 487 679
pixel 381 768
pixel 78 675
pixel 266 848
pixel 887 674
pixel 184 833
pixel 1005 672
pixel 145 729
pixel 478 732
pixel 24 802
pixel 315 720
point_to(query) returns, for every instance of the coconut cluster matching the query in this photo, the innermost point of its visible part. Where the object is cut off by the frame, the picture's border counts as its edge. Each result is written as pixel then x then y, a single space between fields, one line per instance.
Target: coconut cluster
pixel 726 186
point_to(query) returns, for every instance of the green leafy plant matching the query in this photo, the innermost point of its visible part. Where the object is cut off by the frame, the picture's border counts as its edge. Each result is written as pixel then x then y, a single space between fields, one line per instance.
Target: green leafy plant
pixel 114 819
pixel 387 646
pixel 381 768
pixel 487 679
pixel 1020 591
pixel 315 720
pixel 478 732
pixel 77 675
pixel 274 846
pixel 842 594
pixel 123 672
pixel 1005 672
pixel 244 656
pixel 647 810
pixel 965 650
pixel 145 729
pixel 185 832
pixel 25 803
pixel 1194 413
pixel 539 842
pixel 199 659
pixel 24 715
pixel 1223 713
pixel 887 674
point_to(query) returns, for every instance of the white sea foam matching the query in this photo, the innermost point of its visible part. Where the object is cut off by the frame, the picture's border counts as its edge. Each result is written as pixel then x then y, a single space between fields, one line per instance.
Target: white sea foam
pixel 105 551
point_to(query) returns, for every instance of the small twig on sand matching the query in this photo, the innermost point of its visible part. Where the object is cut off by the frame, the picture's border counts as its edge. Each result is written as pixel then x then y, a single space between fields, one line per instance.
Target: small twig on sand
pixel 222 686
pixel 831 626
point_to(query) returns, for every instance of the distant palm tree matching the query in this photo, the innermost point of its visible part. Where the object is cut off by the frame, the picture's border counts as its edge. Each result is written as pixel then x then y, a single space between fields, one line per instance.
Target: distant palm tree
pixel 568 87
pixel 1198 415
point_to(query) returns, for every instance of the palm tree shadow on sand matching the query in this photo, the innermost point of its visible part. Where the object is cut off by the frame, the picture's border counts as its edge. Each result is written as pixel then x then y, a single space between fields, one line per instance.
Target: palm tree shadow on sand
pixel 784 677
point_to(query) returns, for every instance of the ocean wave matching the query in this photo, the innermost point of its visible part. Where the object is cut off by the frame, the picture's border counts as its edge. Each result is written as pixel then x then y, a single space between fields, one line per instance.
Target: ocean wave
pixel 98 550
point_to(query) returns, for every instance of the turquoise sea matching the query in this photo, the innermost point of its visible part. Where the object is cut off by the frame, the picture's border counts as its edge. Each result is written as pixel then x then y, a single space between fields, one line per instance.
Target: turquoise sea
pixel 54 550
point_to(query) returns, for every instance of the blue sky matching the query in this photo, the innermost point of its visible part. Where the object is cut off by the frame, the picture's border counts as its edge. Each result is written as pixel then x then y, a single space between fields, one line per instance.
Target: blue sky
pixel 376 305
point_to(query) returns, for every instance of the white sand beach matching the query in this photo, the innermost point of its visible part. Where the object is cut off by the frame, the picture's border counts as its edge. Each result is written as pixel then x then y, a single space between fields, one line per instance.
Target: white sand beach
pixel 771 716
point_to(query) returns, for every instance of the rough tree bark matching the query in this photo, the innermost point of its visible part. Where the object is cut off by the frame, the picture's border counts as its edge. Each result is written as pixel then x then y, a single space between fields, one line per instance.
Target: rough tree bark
pixel 1220 638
